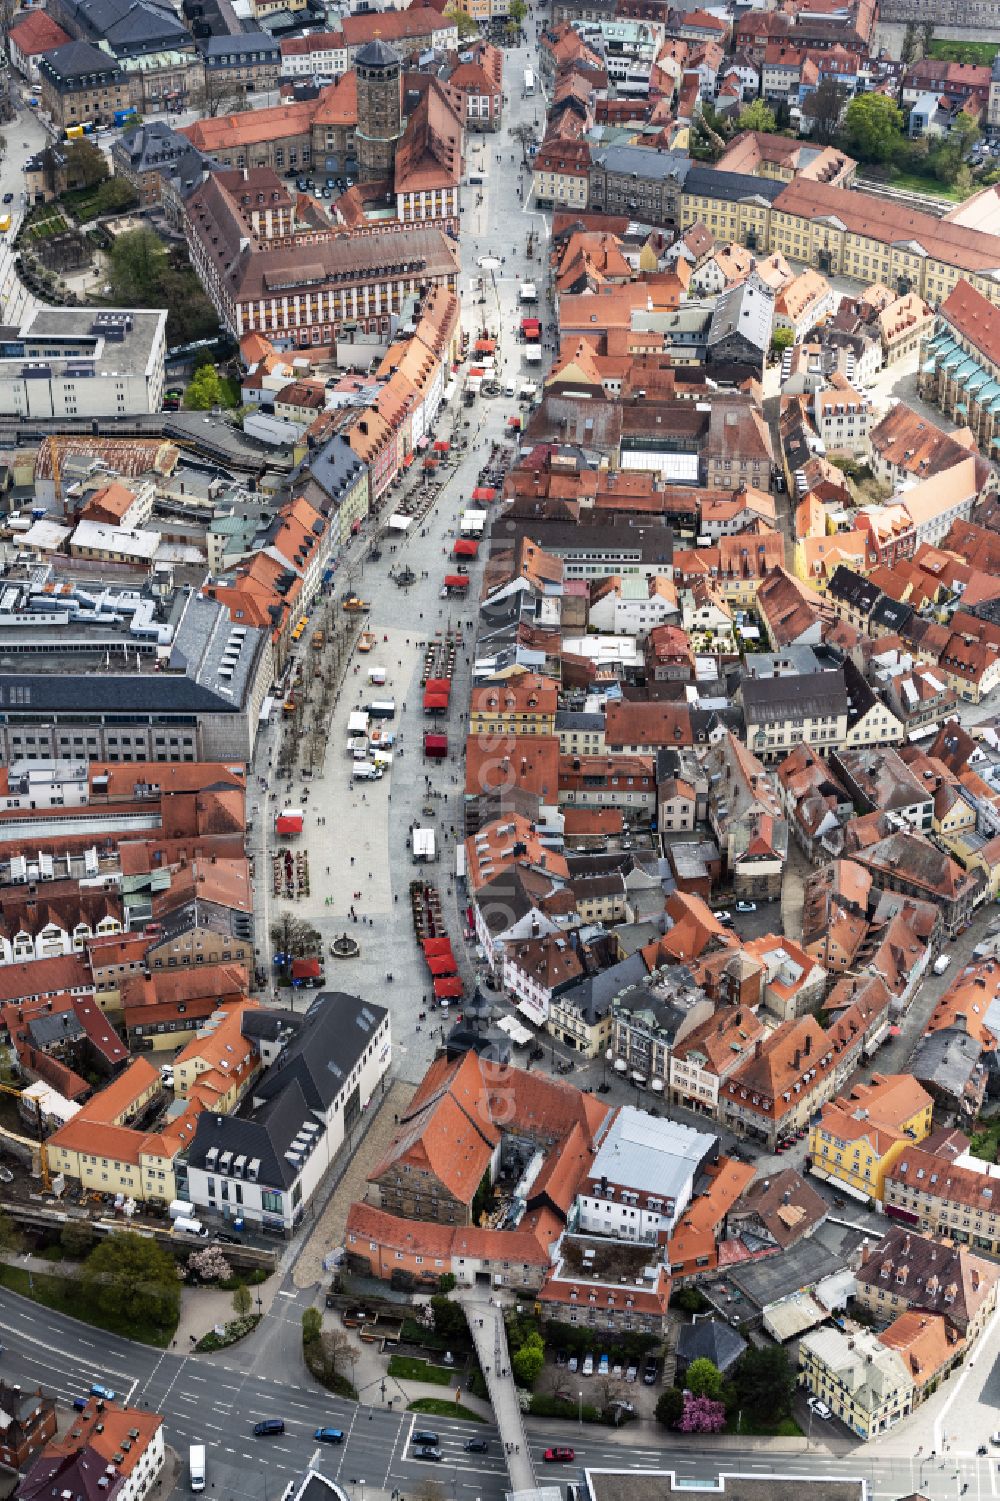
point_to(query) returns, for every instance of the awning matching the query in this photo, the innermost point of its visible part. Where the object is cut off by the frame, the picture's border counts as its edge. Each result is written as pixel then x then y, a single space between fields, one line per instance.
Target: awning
pixel 621 1067
pixel 435 701
pixel 484 492
pixel 435 745
pixel 430 463
pixel 423 442
pixel 456 580
pixel 442 964
pixel 532 1011
pixel 398 522
pixel 441 445
pixel 465 547
pixel 656 1084
pixel 519 1036
pixel 449 988
pixel 436 946
pixel 288 823
pixel 484 346
pixel 438 685
pixel 609 1053
pixel 408 460
pixel 638 1078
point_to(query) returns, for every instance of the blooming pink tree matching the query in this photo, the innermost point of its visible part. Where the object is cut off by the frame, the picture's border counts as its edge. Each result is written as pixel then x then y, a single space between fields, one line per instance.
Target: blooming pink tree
pixel 702 1415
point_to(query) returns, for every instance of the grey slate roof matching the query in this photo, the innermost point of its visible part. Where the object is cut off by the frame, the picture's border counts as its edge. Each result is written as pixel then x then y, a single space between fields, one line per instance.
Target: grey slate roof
pixel 710 1339
pixel 245 42
pixel 76 60
pixel 733 187
pixel 643 161
pixel 747 310
pixel 323 1047
pixel 808 695
pixel 946 1060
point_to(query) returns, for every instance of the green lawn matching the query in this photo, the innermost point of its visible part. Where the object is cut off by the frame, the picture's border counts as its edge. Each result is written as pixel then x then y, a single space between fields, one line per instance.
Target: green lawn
pixel 412 1368
pixel 47 228
pixel 964 52
pixel 908 182
pixel 440 1407
pixel 63 1297
pixel 785 1428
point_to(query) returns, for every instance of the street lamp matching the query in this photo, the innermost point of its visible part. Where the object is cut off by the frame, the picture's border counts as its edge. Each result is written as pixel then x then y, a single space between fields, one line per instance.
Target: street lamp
pixel 579 1408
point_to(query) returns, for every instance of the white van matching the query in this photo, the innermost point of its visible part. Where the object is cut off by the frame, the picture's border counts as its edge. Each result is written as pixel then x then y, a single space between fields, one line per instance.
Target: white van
pixel 364 771
pixel 191 1229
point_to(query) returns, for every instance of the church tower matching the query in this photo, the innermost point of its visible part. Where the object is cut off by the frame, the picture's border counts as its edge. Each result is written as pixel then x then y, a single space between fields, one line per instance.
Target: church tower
pixel 380 109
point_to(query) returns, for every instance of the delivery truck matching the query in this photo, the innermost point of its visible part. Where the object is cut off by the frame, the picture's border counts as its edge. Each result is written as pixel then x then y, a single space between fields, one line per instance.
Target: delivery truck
pixel 196 1466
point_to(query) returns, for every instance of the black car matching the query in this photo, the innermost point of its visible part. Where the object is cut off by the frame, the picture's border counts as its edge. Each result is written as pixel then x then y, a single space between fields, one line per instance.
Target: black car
pixel 268 1427
pixel 424 1436
pixel 650 1370
pixel 8 198
pixel 477 1446
pixel 227 1239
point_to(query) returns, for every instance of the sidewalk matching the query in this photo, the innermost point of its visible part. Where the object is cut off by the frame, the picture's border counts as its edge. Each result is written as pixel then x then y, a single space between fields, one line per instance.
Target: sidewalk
pixel 369 1375
pixel 204 1307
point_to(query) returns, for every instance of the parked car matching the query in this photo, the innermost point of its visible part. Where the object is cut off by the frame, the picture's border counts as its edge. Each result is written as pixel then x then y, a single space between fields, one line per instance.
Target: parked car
pixel 228 1238
pixel 746 906
pixel 650 1370
pixel 819 1408
pixel 603 1366
pixel 617 1371
pixel 941 963
pixel 631 1372
pixel 424 1436
pixel 329 1435
pixel 559 1455
pixel 428 1451
pixel 104 1392
pixel 476 1446
pixel 724 917
pixel 572 1363
pixel 588 1365
pixel 560 1357
pixel 8 198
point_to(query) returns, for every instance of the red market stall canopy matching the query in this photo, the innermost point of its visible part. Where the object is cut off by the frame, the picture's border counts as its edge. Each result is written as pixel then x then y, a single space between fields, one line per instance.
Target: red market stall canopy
pixel 306 969
pixel 435 703
pixel 435 745
pixel 288 823
pixel 438 685
pixel 441 445
pixel 465 547
pixel 430 462
pixel 442 964
pixel 456 581
pixel 485 346
pixel 484 492
pixel 436 946
pixel 408 460
pixel 449 989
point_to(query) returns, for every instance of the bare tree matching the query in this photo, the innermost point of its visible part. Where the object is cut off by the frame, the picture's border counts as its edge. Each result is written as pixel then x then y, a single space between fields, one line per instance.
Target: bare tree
pixel 218 95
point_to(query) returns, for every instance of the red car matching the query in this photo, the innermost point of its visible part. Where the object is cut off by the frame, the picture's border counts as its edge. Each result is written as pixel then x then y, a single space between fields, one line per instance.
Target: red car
pixel 560 1455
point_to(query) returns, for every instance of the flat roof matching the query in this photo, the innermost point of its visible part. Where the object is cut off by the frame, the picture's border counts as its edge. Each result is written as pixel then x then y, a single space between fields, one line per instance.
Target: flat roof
pixel 785 1482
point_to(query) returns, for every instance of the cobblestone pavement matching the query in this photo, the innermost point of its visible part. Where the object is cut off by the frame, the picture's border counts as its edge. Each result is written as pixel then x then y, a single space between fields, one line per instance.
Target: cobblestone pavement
pixel 328 1230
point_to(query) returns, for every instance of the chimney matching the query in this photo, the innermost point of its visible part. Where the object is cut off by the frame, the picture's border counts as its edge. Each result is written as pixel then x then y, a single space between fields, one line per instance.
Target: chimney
pixel 809 1043
pixel 758 1047
pixel 866 1251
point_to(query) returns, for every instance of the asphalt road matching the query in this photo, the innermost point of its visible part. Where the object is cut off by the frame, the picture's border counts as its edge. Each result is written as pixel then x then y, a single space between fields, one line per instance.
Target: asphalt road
pixel 215 1401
